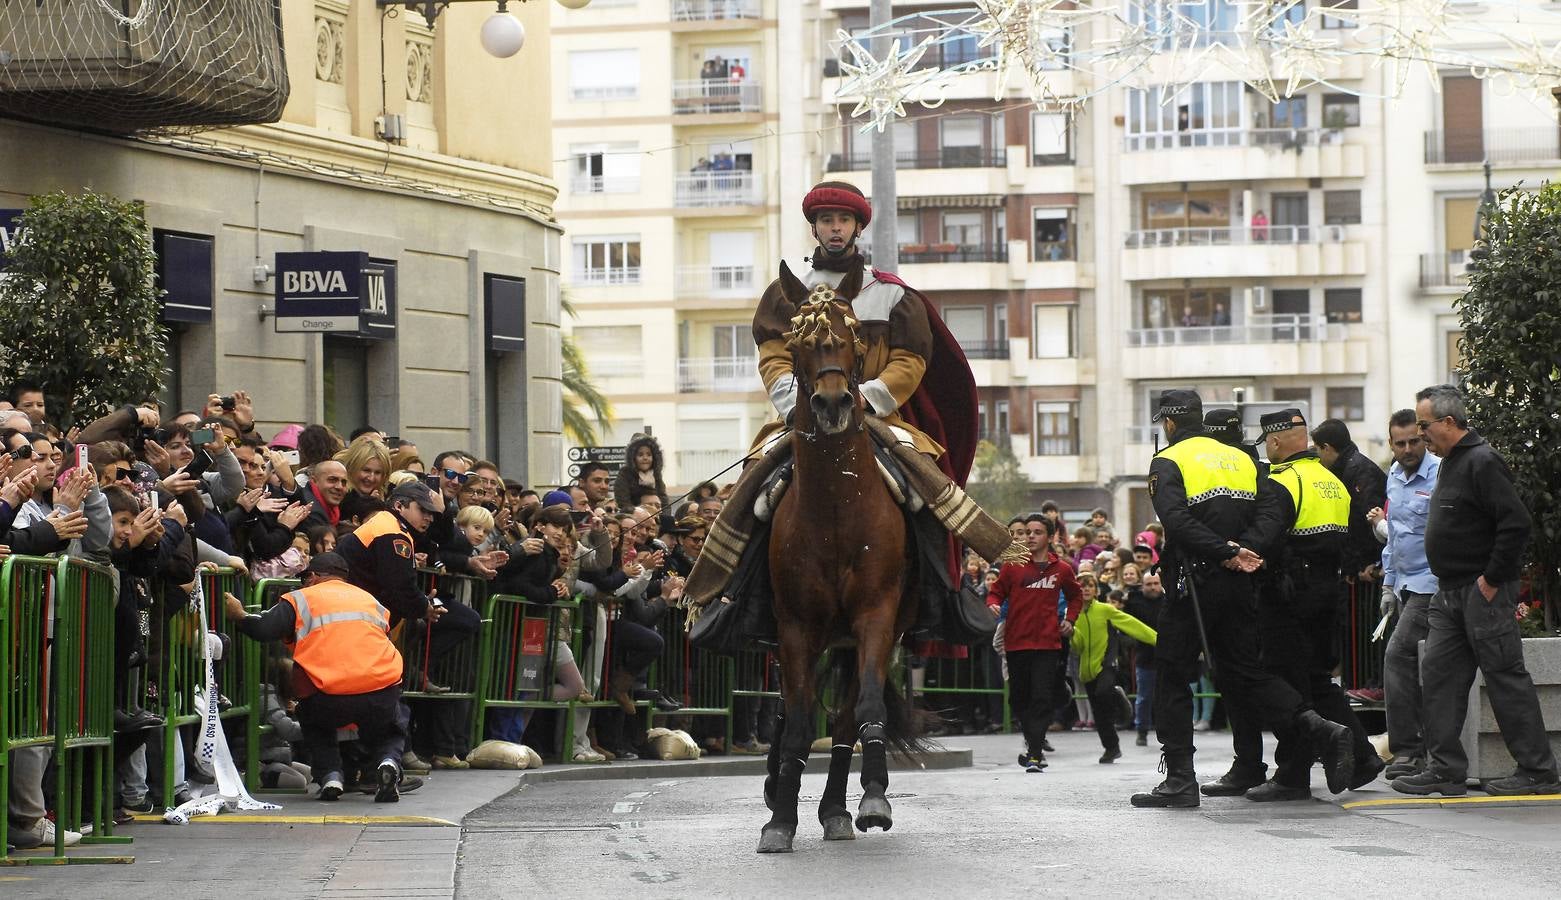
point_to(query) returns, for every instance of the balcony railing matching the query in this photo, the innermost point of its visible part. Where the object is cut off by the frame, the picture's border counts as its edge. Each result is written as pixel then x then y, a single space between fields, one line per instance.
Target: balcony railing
pixel 1444 269
pixel 1259 234
pixel 1260 329
pixel 695 466
pixel 984 349
pixel 947 253
pixel 714 10
pixel 1275 138
pixel 947 158
pixel 710 95
pixel 716 280
pixel 728 187
pixel 609 92
pixel 620 275
pixel 1498 145
pixel 616 367
pixel 604 184
pixel 719 374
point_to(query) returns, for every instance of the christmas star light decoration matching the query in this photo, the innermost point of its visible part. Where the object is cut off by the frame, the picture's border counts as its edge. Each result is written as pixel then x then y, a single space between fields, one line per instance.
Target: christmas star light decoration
pixel 881 88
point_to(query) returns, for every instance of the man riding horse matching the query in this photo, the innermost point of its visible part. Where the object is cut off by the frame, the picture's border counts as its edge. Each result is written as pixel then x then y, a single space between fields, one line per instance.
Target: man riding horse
pixel 926 426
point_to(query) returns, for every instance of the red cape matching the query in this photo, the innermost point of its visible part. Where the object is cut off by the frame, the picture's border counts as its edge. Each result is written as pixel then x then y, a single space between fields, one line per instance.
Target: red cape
pixel 945 405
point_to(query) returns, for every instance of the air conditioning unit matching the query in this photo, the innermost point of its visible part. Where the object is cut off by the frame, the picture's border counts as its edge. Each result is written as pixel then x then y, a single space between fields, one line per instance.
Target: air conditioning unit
pixel 1257 299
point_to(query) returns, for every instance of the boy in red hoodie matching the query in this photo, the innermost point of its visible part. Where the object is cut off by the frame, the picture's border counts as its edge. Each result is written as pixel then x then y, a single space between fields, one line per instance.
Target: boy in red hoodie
pixel 1031 635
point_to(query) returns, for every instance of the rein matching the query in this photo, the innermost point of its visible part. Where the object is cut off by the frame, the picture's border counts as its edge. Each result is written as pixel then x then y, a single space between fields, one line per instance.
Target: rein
pixel 810 328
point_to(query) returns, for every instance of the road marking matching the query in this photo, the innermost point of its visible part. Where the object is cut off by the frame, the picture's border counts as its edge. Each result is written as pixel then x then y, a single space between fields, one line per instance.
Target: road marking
pixel 1414 802
pixel 307 820
pixel 622 809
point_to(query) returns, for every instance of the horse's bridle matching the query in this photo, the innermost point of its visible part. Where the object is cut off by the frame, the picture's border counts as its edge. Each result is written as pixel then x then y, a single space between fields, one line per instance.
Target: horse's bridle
pixel 815 306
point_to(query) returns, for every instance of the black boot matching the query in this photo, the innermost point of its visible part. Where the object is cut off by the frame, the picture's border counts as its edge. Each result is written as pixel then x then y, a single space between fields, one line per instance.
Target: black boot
pixel 1179 790
pixel 1274 792
pixel 1334 745
pixel 1235 782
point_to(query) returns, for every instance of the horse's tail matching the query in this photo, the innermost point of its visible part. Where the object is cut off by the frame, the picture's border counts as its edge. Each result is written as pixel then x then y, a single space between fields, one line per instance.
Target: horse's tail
pixel 906 726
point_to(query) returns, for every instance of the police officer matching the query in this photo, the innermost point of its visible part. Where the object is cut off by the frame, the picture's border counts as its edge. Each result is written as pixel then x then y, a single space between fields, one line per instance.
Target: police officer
pixel 352 672
pixel 1302 605
pixel 1206 495
pixel 381 551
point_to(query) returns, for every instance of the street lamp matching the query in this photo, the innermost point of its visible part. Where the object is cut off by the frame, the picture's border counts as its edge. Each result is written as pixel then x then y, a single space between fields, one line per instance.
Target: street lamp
pixel 502 34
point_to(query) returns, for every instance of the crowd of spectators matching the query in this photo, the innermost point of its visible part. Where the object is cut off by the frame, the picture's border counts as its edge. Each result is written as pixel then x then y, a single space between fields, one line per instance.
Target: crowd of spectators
pixel 156 496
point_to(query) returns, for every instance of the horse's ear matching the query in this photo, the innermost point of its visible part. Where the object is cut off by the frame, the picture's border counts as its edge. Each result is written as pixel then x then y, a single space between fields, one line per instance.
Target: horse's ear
pixel 851 285
pixel 792 286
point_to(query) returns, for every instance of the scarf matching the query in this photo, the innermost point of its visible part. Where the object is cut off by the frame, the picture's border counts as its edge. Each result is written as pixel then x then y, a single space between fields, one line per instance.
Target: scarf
pixel 332 513
pixel 843 263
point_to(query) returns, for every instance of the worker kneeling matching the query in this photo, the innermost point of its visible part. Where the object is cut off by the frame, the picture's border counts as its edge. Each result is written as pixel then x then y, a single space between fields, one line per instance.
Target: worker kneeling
pixel 340 639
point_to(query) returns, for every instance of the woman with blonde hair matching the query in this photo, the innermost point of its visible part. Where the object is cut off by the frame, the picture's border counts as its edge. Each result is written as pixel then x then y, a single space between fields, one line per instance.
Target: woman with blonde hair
pixel 367 462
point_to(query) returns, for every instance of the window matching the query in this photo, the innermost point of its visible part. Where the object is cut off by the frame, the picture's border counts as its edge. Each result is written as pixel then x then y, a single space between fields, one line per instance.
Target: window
pixel 1292 302
pixel 1348 404
pixel 1458 217
pixel 963 229
pixel 981 430
pixel 1052 334
pixel 967 324
pixel 1338 22
pixel 1049 134
pixel 604 74
pixel 1207 114
pixel 1000 324
pixel 613 351
pixel 1340 110
pixel 1053 234
pixel 1341 207
pixel 907 227
pixel 1454 354
pixel 1289 112
pixel 960 141
pixel 733 341
pixel 1192 308
pixel 604 168
pixel 1056 429
pixel 346 377
pixel 1196 209
pixel 1000 418
pixel 1342 305
pixel 1293 395
pixel 607 260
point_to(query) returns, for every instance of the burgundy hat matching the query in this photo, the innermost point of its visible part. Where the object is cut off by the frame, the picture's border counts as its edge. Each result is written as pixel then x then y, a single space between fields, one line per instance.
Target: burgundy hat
pixel 837 195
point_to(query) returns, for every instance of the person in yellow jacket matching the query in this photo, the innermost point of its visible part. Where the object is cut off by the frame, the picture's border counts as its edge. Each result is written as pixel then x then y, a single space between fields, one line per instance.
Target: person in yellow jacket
pixel 350 671
pixel 1096 647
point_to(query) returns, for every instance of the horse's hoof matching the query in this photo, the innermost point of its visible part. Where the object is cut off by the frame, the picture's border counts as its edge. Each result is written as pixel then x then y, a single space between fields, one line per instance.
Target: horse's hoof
pixel 838 828
pixel 777 838
pixel 874 812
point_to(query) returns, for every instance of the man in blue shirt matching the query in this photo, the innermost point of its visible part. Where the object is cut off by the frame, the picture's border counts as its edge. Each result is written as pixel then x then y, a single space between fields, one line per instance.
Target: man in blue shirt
pixel 1407 584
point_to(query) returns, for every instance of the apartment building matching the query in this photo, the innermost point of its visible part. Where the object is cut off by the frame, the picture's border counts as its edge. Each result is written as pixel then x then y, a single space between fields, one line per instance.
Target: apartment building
pixel 1306 251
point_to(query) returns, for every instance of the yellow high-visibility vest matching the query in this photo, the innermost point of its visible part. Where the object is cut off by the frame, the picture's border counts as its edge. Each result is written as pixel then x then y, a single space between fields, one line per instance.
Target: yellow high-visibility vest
pixel 1211 469
pixel 1322 502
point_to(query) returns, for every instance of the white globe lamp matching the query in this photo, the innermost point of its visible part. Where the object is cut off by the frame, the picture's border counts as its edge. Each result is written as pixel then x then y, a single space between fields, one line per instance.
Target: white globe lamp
pixel 573 4
pixel 503 35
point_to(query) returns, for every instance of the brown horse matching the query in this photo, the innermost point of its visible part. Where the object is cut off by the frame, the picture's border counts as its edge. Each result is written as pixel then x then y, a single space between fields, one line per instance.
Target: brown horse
pixel 838 567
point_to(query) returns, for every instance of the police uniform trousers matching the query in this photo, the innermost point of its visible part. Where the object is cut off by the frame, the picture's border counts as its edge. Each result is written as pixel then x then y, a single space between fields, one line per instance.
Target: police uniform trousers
pixel 1230 620
pixel 1301 616
pixel 379 715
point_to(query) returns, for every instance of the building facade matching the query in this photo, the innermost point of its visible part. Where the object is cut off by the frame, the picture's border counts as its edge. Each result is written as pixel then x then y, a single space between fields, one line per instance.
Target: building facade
pixel 1307 251
pixel 456 213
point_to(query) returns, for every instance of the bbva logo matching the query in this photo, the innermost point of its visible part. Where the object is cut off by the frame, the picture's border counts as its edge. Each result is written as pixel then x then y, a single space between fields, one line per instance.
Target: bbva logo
pixel 306 282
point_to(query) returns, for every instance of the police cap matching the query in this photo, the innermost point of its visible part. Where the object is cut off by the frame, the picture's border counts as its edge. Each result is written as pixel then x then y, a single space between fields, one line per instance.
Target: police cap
pixel 1179 404
pixel 1283 420
pixel 1224 425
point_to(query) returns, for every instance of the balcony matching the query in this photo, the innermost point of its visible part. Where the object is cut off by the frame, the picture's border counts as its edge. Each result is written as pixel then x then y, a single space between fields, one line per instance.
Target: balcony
pixel 716 281
pixel 985 349
pixel 1246 252
pixel 953 253
pixel 604 184
pixel 1444 270
pixel 607 92
pixel 697 466
pixel 1510 146
pixel 1265 344
pixel 699 190
pixel 1242 154
pixel 947 158
pixel 616 367
pixel 714 10
pixel 618 276
pixel 708 96
pixel 719 374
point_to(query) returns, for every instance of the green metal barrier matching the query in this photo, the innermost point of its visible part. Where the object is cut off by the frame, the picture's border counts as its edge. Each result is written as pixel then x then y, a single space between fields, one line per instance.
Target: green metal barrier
pixel 702 681
pixel 266 666
pixel 57 671
pixel 753 677
pixel 969 677
pixel 518 649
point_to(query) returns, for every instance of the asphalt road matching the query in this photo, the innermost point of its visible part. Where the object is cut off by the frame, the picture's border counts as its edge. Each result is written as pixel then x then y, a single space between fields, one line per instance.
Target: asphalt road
pixel 994 830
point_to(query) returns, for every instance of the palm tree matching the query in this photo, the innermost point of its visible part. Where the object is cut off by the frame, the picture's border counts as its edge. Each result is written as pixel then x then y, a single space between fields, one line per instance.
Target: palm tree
pixel 583 400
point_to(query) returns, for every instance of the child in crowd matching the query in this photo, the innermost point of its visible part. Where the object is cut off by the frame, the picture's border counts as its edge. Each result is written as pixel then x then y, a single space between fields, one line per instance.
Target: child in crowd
pixel 1097 646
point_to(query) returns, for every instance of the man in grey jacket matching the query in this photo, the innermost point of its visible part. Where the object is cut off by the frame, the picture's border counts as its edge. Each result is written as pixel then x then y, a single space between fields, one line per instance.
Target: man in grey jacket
pixel 1475 538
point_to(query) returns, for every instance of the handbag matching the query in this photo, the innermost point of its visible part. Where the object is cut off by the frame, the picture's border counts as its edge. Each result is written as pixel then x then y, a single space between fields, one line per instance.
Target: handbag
pixel 966 619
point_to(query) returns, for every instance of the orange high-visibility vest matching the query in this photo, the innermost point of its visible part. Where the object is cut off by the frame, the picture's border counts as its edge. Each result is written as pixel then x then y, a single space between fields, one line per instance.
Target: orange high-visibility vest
pixel 341 639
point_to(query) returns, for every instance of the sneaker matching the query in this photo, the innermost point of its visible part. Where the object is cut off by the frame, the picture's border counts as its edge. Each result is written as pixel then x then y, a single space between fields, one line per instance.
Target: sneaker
pixel 750 747
pixel 1401 766
pixel 1111 756
pixel 1202 725
pixel 43 832
pixel 588 755
pixel 406 785
pixel 1429 781
pixel 1046 746
pixel 1143 739
pixel 389 777
pixel 411 762
pixel 1034 765
pixel 450 762
pixel 142 806
pixel 627 755
pixel 127 721
pixel 1521 783
pixel 331 789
